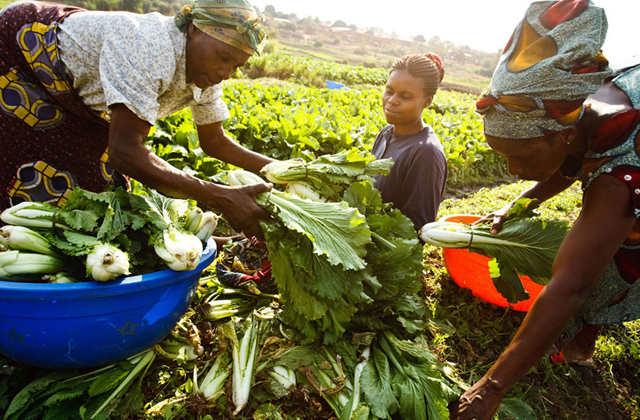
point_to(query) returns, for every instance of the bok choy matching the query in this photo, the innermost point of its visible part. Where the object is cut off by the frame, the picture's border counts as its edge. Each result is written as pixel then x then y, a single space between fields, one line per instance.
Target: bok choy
pixel 244 353
pixel 526 244
pixel 327 176
pixel 21 238
pixel 26 266
pixel 106 262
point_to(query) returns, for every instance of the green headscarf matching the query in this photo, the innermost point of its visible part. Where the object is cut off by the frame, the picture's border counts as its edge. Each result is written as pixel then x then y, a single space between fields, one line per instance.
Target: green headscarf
pixel 234 22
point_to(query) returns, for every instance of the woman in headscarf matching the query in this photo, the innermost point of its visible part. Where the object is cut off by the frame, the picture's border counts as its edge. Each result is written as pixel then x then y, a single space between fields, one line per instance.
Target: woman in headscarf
pixel 558 114
pixel 79 91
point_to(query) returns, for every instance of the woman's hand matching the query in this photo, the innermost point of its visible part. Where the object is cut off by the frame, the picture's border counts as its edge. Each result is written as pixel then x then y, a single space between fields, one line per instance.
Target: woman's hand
pixel 541 191
pixel 497 218
pixel 239 207
pixel 480 402
pixel 128 155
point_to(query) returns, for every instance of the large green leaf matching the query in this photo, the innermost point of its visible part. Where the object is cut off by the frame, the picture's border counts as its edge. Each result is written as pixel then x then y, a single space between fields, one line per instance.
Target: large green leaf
pixel 530 245
pixel 338 231
pixel 376 385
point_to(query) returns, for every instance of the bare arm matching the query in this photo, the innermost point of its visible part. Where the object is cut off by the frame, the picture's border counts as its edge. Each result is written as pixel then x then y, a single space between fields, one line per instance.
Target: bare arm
pixel 541 190
pixel 601 228
pixel 128 155
pixel 217 144
pixel 549 188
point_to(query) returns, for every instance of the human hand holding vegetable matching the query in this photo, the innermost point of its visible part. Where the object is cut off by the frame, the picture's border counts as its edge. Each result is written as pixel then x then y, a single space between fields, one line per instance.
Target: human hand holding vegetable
pixel 541 191
pixel 238 206
pixel 497 218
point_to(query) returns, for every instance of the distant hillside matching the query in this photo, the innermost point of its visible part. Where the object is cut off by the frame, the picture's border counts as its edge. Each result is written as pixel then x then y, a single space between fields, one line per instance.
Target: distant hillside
pixel 466 70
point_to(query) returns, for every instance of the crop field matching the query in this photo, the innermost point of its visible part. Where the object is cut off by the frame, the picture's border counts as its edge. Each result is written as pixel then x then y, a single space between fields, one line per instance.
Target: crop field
pixel 286 121
pixel 460 339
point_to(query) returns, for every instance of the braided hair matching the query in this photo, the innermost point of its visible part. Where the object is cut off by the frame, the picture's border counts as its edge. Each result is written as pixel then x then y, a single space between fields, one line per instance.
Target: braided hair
pixel 427 67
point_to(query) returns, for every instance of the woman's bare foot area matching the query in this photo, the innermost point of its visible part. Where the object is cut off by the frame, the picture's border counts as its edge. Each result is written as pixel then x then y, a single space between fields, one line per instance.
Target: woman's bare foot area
pixel 583 345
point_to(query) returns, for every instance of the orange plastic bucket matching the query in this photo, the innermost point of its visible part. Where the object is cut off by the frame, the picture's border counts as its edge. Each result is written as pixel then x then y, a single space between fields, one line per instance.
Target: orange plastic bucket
pixel 471 270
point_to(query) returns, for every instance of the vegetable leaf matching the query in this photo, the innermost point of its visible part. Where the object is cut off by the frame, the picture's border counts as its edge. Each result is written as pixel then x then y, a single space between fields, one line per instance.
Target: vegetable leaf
pixel 376 385
pixel 336 230
pixel 515 409
pixel 507 282
pixel 29 393
pixel 529 245
pixel 107 381
pixel 76 244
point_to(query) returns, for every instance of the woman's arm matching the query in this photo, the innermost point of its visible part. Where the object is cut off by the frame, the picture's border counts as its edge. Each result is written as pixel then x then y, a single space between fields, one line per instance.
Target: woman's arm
pixel 541 190
pixel 597 234
pixel 128 155
pixel 217 144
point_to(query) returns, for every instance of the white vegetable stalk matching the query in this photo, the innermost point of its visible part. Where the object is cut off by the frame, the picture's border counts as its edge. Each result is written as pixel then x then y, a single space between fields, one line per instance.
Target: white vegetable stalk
pixel 59 278
pixel 244 356
pixel 15 265
pixel 202 224
pixel 336 400
pixel 192 219
pixel 179 350
pixel 364 359
pixel 31 214
pixel 285 377
pixel 22 238
pixel 181 251
pixel 271 170
pixel 303 190
pixel 106 262
pixel 213 384
pixel 238 178
pixel 456 235
pixel 222 308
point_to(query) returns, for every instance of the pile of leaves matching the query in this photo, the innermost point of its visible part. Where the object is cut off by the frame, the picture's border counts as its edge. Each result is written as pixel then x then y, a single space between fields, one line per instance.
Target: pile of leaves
pixel 345 323
pixel 336 263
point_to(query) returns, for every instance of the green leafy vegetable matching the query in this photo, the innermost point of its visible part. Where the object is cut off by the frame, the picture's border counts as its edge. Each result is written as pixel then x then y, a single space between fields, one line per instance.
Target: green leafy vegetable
pixel 526 244
pixel 329 175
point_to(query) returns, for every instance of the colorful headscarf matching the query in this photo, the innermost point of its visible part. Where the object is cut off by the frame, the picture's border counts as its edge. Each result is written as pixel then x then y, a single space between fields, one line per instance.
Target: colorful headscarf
pixel 550 65
pixel 234 22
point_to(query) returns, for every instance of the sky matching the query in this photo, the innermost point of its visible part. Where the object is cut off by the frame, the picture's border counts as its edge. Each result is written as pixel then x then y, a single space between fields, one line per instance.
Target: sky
pixel 484 25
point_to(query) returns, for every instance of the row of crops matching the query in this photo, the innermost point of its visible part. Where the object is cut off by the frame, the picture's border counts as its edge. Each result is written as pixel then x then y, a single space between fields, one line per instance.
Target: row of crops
pixel 313 72
pixel 284 122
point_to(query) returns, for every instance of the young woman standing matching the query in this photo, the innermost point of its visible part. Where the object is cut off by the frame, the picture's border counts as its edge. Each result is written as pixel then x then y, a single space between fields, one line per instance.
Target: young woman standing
pixel 416 182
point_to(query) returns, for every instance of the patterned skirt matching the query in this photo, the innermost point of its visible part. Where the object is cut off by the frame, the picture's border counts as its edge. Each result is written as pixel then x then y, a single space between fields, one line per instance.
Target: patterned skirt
pixel 50 142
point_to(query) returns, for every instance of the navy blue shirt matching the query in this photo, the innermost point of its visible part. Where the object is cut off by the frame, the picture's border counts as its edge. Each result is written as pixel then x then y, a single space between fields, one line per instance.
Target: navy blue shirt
pixel 417 179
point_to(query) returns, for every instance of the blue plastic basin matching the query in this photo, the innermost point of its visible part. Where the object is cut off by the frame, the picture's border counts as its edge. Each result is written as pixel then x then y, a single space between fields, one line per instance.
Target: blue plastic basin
pixel 91 324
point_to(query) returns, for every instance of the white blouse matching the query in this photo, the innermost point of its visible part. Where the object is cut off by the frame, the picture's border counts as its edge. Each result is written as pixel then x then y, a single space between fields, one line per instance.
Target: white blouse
pixel 138 60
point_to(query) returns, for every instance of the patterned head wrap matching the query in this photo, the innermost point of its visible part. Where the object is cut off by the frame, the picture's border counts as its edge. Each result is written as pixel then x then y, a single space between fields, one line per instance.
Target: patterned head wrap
pixel 234 22
pixel 550 65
